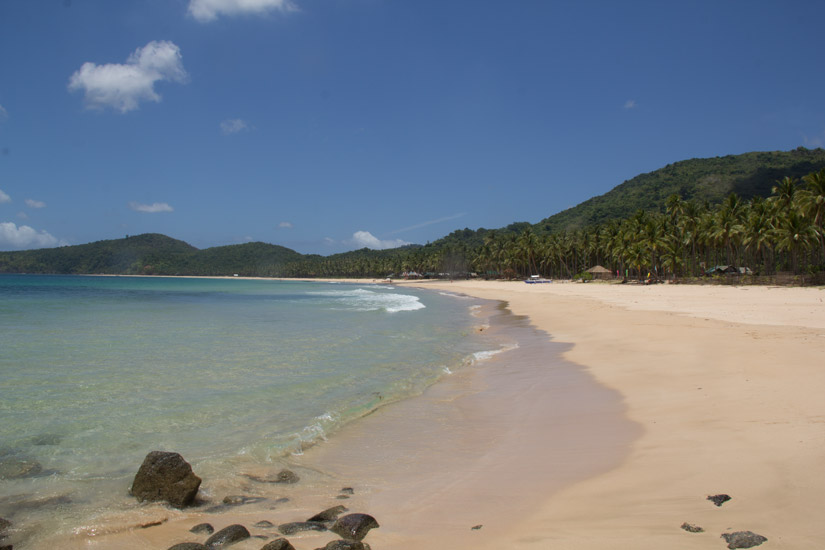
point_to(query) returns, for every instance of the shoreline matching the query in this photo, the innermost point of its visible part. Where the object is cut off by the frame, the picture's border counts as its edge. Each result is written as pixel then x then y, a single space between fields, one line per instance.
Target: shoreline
pixel 723 385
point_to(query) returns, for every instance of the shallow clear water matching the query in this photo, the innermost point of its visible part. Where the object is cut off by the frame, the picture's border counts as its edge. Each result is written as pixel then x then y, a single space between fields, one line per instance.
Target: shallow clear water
pixel 98 371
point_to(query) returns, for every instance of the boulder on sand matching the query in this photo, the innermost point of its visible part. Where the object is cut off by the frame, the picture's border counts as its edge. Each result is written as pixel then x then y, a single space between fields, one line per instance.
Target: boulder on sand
pixel 167 477
pixel 354 526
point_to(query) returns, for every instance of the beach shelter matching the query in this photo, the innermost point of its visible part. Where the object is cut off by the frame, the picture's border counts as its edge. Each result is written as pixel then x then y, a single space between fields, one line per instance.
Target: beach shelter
pixel 600 272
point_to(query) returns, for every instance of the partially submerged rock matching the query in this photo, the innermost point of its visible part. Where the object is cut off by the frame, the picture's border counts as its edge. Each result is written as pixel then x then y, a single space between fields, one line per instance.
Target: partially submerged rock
pixel 228 535
pixel 166 477
pixel 278 544
pixel 240 500
pixel 354 526
pixel 298 526
pixel 189 546
pixel 743 539
pixel 346 545
pixel 330 514
pixel 692 528
pixel 203 528
pixel 15 465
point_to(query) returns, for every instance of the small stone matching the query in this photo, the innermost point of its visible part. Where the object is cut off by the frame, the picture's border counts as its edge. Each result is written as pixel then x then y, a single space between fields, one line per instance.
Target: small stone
pixel 719 500
pixel 354 526
pixel 239 500
pixel 330 514
pixel 476 527
pixel 228 535
pixel 743 539
pixel 348 491
pixel 692 528
pixel 287 476
pixel 298 526
pixel 342 497
pixel 264 524
pixel 278 544
pixel 189 546
pixel 345 545
pixel 203 528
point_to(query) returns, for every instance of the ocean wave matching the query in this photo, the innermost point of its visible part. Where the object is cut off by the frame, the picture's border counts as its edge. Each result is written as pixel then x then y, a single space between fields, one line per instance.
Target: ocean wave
pixel 489 354
pixel 361 299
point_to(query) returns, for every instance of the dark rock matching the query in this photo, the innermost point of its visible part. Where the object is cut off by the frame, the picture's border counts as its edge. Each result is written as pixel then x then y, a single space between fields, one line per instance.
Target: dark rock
pixel 203 528
pixel 7 547
pixel 354 526
pixel 278 544
pixel 476 527
pixel 346 545
pixel 264 524
pixel 692 528
pixel 166 477
pixel 239 500
pixel 297 526
pixel 330 514
pixel 228 535
pixel 46 439
pixel 189 546
pixel 15 465
pixel 348 491
pixel 287 476
pixel 719 500
pixel 743 539
pixel 342 497
pixel 4 526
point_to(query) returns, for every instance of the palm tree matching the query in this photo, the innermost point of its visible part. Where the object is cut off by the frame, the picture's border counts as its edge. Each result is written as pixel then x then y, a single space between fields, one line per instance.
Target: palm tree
pixel 796 234
pixel 812 201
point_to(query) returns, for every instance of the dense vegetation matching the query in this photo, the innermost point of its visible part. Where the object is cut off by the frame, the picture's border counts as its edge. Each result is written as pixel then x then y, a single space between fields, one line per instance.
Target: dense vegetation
pixel 717 211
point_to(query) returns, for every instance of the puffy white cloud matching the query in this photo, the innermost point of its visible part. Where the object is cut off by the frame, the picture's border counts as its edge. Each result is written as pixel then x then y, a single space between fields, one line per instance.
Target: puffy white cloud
pixel 233 126
pixel 153 208
pixel 24 236
pixel 209 10
pixel 365 239
pixel 31 203
pixel 4 197
pixel 123 87
pixel 285 225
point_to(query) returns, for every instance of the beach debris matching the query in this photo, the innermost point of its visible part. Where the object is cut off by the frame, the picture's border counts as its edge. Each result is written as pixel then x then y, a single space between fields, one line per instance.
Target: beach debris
pixel 743 539
pixel 203 528
pixel 189 546
pixel 298 526
pixel 166 476
pixel 354 526
pixel 476 527
pixel 278 544
pixel 690 528
pixel 152 523
pixel 345 545
pixel 330 514
pixel 228 535
pixel 264 524
pixel 719 500
pixel 14 465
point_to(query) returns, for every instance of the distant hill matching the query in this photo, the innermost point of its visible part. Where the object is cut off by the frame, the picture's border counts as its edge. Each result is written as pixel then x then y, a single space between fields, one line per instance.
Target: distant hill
pixel 150 253
pixel 711 179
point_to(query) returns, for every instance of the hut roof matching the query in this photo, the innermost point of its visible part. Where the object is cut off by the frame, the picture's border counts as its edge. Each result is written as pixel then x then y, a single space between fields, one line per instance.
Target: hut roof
pixel 598 269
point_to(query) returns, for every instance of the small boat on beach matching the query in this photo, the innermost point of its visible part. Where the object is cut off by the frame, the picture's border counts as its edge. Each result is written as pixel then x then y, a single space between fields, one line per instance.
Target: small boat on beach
pixel 535 279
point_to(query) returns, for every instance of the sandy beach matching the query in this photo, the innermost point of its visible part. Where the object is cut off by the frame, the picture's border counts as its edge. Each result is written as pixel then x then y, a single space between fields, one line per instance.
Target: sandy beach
pixel 607 428
pixel 726 384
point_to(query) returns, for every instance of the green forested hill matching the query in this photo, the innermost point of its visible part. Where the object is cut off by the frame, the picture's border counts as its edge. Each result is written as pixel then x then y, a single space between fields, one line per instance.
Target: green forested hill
pixel 150 253
pixel 712 179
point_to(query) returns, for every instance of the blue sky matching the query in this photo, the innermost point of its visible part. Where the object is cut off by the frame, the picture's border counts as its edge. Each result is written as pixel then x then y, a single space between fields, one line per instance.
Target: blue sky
pixel 329 125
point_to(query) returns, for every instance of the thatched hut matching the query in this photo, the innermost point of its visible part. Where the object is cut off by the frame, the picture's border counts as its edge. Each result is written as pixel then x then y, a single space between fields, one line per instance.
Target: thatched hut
pixel 600 272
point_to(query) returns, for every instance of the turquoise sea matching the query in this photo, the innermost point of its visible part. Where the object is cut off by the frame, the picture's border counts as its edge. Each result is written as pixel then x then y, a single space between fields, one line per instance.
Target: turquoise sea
pixel 95 372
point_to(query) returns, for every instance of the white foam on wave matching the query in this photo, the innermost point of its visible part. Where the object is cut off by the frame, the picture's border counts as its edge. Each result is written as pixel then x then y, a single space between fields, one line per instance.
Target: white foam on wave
pixel 361 299
pixel 485 355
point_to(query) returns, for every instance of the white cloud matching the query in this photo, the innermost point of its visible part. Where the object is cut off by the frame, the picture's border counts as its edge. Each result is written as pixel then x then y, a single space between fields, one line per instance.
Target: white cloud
pixel 209 10
pixel 31 203
pixel 24 237
pixel 233 126
pixel 153 208
pixel 285 225
pixel 4 197
pixel 22 215
pixel 629 104
pixel 123 87
pixel 3 113
pixel 365 239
